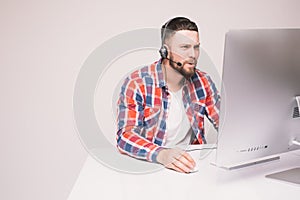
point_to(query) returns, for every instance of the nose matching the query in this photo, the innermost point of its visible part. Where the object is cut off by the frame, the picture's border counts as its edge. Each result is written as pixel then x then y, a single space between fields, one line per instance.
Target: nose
pixel 192 53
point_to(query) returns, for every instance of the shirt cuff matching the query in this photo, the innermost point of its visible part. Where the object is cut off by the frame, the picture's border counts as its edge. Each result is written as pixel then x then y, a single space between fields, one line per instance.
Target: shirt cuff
pixel 154 153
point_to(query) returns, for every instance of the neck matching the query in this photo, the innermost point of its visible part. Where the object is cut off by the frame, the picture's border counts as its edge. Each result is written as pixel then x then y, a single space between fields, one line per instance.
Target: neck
pixel 173 79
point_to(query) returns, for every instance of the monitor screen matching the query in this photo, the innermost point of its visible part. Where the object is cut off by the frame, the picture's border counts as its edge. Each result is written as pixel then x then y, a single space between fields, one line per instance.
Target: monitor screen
pixel 259 114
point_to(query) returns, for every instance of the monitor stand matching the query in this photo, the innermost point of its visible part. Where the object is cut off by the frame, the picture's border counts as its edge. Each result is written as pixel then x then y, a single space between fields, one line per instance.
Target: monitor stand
pixel 249 163
pixel 290 175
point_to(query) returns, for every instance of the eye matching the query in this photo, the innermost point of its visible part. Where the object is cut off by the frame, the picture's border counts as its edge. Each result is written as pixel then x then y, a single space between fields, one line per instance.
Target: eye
pixel 185 46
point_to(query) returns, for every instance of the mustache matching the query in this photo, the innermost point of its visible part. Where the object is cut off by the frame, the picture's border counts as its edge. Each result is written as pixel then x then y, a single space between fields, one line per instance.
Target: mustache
pixel 191 61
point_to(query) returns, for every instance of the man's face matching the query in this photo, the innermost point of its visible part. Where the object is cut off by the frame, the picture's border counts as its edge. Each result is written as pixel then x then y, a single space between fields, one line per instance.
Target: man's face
pixel 184 48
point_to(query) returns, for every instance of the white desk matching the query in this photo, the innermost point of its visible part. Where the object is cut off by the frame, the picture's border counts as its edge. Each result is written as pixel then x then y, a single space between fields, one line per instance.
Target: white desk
pixel 99 182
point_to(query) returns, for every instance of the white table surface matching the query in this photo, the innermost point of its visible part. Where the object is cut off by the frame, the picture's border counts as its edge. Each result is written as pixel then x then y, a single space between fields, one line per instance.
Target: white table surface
pixel 97 181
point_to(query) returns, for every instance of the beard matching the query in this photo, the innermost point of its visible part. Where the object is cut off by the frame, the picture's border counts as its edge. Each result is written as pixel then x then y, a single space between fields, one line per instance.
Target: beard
pixel 186 72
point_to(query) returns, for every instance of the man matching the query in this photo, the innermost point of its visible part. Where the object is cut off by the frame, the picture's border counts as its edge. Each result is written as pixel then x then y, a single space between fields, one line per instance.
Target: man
pixel 162 106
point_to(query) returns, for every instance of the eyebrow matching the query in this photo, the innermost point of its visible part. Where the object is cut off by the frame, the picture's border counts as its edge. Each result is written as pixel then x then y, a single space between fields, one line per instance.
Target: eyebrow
pixel 184 44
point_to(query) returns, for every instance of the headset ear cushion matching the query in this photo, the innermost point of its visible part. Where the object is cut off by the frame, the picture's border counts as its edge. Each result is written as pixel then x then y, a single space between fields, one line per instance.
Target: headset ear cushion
pixel 163 52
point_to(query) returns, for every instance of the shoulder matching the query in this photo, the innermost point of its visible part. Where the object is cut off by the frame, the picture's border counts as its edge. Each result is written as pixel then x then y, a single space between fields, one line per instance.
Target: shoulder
pixel 143 75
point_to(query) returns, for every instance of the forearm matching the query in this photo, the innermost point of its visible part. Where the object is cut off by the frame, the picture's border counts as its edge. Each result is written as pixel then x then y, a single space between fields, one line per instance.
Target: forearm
pixel 133 144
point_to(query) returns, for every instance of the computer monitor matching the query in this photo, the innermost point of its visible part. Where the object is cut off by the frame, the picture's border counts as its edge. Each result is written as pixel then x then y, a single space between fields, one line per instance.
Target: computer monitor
pixel 259 113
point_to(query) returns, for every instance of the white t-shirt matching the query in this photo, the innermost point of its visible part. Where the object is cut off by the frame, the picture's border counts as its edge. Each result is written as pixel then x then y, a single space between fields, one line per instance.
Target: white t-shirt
pixel 178 126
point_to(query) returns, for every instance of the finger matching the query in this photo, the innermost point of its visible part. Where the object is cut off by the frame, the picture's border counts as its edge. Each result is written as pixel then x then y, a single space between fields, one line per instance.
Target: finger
pixel 189 158
pixel 185 158
pixel 172 166
pixel 190 163
pixel 181 153
pixel 179 164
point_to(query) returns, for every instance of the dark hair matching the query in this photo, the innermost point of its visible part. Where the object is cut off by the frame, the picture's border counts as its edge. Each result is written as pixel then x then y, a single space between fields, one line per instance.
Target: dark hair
pixel 176 24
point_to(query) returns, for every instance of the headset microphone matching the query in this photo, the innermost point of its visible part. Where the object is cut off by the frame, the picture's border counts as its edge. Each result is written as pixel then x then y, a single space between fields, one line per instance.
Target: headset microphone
pixel 177 63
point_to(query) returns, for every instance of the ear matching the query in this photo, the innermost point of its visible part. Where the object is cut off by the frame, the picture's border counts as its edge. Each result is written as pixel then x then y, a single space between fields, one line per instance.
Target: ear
pixel 164 51
pixel 166 46
pixel 167 50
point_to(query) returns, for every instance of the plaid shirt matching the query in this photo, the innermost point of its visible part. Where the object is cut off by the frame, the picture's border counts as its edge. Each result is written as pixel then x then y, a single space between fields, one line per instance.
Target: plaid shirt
pixel 143 109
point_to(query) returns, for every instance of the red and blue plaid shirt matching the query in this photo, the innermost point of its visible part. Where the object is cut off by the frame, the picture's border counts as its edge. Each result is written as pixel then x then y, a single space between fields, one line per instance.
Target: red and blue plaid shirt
pixel 143 109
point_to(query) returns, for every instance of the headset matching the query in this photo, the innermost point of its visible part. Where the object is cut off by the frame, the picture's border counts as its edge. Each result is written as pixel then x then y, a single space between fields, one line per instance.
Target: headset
pixel 163 51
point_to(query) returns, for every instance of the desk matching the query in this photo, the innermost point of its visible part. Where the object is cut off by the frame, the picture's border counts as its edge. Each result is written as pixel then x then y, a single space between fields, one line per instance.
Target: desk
pixel 96 181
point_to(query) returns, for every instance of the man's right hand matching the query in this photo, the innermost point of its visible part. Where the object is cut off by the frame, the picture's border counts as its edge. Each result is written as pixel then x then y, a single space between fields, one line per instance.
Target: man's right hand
pixel 176 159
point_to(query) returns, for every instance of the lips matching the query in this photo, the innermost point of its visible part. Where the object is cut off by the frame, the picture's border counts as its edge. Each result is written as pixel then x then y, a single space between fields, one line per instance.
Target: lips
pixel 191 62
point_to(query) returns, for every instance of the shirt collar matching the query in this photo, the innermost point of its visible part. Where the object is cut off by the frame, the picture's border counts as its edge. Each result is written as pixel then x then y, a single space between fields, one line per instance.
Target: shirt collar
pixel 160 81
